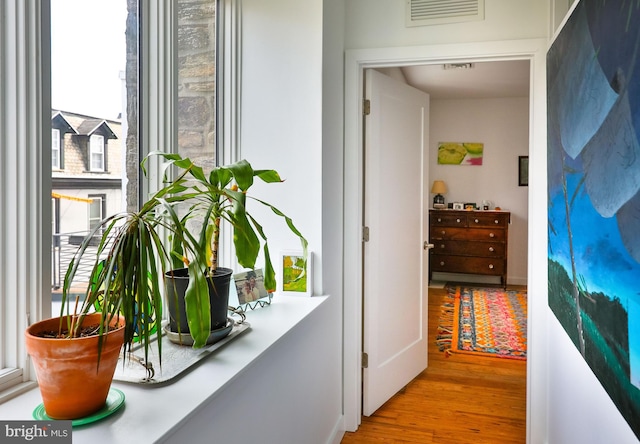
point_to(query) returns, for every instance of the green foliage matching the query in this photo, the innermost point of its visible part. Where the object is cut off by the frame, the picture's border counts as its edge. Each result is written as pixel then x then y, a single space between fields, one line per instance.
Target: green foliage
pixel 561 300
pixel 223 196
pixel 605 325
pixel 132 258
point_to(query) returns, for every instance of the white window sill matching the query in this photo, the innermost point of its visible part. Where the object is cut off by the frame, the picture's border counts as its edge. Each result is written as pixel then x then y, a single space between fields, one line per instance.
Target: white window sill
pixel 145 416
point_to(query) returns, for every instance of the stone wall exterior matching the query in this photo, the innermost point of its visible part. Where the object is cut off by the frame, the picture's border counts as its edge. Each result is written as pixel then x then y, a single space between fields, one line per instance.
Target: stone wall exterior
pixel 132 158
pixel 196 80
pixel 196 88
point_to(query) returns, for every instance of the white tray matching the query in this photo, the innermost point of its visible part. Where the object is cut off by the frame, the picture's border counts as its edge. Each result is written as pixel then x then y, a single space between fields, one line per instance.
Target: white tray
pixel 176 359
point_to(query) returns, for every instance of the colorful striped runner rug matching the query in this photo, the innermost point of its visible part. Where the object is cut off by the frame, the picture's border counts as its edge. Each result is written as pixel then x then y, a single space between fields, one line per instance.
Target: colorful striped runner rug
pixel 484 321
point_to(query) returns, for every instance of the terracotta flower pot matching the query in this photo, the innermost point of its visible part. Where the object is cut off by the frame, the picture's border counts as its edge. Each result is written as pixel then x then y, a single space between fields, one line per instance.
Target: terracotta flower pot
pixel 72 384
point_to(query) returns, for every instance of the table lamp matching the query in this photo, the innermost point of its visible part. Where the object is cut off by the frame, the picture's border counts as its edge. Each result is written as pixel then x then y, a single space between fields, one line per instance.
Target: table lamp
pixel 439 188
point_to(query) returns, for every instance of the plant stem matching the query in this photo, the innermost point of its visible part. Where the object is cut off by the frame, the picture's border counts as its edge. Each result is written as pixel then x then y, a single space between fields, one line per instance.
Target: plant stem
pixel 214 246
pixel 73 319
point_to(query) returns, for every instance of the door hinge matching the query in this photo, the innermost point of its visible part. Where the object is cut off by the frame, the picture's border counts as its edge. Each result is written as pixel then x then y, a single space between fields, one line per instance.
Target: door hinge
pixel 366 107
pixel 365 360
pixel 365 234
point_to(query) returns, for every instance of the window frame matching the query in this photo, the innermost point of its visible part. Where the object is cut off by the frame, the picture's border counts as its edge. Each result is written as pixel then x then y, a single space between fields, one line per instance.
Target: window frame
pixel 56 147
pixel 25 166
pixel 102 204
pixel 97 148
pixel 25 127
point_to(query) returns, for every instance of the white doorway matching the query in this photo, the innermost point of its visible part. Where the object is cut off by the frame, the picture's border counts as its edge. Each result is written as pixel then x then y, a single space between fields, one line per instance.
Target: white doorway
pixel 356 63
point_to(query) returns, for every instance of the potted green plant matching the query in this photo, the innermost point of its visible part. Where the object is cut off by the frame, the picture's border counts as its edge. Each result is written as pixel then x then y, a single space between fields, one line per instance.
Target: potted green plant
pixel 125 287
pixel 215 198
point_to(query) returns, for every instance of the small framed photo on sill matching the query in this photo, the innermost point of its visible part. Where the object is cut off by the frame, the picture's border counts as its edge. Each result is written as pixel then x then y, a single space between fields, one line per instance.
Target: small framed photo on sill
pixel 295 273
pixel 249 289
pixel 250 286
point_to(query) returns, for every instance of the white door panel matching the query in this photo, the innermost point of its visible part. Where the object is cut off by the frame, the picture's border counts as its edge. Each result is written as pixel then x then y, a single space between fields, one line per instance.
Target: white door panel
pixel 395 264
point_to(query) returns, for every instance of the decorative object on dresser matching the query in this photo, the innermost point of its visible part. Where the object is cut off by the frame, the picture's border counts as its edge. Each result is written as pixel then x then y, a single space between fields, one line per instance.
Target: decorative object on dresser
pixel 469 242
pixel 438 188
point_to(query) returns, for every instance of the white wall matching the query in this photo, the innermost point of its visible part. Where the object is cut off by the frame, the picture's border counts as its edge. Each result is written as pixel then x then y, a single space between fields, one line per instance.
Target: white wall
pixel 580 410
pixel 294 392
pixel 290 121
pixel 566 404
pixel 503 126
pixel 281 121
pixel 380 23
pixel 289 396
pixel 572 383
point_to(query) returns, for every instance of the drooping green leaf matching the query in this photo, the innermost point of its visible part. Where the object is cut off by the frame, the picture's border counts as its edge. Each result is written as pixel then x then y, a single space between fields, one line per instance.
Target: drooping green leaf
pixel 245 240
pixel 290 224
pixel 269 176
pixel 197 306
pixel 269 273
pixel 242 173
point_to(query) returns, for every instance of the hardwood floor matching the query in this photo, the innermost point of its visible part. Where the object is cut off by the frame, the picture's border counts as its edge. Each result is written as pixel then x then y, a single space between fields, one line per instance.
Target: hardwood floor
pixel 456 400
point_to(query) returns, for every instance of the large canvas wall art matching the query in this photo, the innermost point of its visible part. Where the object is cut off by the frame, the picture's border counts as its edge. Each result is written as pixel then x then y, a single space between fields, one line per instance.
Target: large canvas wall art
pixel 593 88
pixel 460 153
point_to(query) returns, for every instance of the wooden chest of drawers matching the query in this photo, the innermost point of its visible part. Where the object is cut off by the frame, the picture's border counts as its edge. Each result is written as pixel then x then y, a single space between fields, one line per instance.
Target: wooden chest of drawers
pixel 470 242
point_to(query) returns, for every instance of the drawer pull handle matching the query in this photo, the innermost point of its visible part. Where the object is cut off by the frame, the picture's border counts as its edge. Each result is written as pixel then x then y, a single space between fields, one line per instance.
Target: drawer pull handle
pixel 442 263
pixel 458 220
pixel 490 266
pixel 491 249
pixel 439 220
pixel 477 221
pixel 443 232
pixel 492 235
pixel 441 245
pixel 497 221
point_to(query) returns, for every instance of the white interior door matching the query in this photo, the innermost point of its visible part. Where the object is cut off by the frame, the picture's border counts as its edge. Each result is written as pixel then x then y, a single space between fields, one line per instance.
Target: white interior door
pixel 396 214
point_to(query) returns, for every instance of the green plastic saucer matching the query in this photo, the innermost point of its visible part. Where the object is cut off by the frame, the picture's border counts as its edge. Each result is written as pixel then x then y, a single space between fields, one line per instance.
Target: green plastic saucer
pixel 115 400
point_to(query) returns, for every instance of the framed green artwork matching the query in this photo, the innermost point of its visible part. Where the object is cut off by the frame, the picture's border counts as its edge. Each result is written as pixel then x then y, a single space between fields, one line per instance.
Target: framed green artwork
pixel 296 273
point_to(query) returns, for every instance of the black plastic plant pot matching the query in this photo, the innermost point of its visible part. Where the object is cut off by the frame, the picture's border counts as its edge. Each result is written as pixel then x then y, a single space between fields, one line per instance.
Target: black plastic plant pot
pixel 177 282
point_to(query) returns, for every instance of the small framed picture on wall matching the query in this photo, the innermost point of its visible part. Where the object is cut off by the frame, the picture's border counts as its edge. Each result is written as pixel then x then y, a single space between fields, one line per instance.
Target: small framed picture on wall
pixel 523 171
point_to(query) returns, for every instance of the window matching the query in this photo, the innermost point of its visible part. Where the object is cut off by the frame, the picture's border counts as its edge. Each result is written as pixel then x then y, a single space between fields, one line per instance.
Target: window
pixel 96 152
pixel 97 209
pixel 25 207
pixel 55 149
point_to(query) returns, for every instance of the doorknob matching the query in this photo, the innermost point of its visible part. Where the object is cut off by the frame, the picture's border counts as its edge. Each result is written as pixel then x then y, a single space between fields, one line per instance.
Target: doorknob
pixel 427 246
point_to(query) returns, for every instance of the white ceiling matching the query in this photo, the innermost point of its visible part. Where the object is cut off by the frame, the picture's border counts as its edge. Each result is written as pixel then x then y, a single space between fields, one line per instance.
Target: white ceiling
pixel 484 80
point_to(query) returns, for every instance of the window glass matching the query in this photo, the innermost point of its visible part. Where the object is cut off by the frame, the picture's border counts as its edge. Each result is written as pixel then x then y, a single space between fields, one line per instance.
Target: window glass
pixel 94 100
pixel 96 210
pixel 197 81
pixel 93 68
pixel 97 152
pixel 55 148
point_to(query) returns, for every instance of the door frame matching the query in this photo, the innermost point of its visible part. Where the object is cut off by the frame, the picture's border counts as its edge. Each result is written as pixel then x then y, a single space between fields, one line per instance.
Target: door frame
pixel 356 61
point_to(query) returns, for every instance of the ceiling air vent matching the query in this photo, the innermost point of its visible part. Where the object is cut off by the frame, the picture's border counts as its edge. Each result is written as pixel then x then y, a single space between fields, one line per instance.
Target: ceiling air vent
pixel 434 12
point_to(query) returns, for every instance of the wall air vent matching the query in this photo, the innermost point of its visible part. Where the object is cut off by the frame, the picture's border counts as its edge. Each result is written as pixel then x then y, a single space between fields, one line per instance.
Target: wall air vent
pixel 435 12
pixel 448 66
